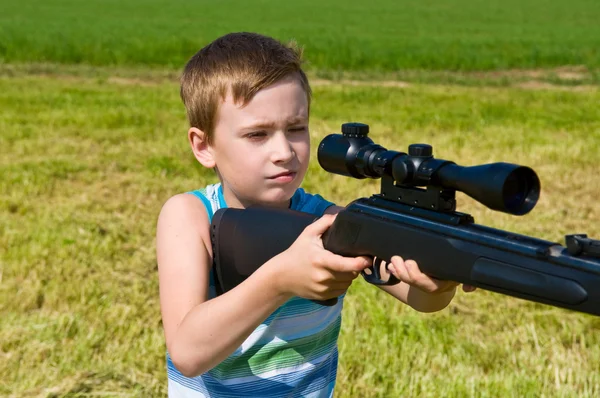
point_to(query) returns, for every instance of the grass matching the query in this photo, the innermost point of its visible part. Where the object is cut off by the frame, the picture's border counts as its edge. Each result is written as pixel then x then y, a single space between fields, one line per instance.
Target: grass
pixel 342 36
pixel 88 160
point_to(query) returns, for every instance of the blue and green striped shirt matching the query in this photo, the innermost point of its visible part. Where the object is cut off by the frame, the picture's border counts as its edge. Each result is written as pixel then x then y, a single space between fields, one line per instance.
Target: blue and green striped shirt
pixel 293 353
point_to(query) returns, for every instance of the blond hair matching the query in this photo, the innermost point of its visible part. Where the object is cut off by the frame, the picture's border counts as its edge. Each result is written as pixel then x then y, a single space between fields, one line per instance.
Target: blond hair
pixel 240 64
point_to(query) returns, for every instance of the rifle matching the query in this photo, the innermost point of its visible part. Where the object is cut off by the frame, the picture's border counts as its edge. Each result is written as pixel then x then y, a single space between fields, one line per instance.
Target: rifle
pixel 415 216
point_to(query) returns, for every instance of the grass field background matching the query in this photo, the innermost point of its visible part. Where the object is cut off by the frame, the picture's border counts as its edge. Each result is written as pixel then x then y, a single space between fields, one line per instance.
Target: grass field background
pixel 339 35
pixel 92 138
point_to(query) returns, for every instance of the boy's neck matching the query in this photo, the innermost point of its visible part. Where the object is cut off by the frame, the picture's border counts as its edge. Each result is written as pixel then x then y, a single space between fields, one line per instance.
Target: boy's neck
pixel 234 202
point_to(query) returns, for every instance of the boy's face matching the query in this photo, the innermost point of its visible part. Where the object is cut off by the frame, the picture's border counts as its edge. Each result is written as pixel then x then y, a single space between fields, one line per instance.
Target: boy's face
pixel 262 150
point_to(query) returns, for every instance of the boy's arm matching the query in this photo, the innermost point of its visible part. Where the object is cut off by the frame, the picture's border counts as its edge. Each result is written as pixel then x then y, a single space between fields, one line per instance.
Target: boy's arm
pixel 200 333
pixel 416 289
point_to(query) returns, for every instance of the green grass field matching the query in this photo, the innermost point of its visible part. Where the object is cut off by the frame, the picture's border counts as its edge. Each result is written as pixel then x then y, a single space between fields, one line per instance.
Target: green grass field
pixel 339 35
pixel 93 141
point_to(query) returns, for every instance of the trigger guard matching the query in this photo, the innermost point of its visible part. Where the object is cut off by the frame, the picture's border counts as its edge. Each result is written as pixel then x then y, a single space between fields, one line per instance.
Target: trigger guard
pixel 375 277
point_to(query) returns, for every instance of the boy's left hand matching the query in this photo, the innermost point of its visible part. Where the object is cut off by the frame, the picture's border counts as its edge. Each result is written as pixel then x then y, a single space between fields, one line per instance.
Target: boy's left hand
pixel 408 272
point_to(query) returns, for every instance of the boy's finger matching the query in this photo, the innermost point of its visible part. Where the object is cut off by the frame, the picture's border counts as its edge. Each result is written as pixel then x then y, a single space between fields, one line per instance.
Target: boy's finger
pixel 399 269
pixel 413 269
pixel 321 225
pixel 419 279
pixel 347 264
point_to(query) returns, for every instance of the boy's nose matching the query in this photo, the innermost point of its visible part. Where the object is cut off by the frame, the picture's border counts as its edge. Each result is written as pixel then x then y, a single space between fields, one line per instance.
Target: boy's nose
pixel 282 151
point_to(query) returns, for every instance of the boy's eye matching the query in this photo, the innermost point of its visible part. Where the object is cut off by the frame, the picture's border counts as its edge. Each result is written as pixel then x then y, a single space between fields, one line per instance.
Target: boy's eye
pixel 256 134
pixel 298 129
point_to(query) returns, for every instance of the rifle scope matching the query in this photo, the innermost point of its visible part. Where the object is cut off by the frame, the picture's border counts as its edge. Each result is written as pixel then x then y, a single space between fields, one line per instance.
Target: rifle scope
pixel 505 187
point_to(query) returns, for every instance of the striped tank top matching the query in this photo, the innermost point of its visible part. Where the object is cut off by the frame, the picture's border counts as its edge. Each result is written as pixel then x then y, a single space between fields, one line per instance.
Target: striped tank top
pixel 293 353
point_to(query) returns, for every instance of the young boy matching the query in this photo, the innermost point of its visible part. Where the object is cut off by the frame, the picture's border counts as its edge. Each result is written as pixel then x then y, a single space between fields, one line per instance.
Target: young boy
pixel 248 104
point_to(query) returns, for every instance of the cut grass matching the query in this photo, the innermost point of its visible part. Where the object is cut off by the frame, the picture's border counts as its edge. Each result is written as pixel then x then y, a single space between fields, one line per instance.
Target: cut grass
pixel 87 163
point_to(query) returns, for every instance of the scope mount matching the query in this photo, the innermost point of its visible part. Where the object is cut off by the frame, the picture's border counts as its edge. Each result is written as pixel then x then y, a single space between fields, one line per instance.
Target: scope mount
pixel 403 174
pixel 431 198
pixel 403 185
pixel 432 203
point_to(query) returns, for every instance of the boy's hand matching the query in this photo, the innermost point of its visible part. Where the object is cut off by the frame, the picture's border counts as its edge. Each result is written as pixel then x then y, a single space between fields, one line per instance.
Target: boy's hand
pixel 408 272
pixel 310 271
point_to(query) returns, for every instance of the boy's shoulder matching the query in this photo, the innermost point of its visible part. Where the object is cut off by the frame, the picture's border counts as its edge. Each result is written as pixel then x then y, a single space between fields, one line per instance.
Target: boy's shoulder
pixel 184 212
pixel 211 197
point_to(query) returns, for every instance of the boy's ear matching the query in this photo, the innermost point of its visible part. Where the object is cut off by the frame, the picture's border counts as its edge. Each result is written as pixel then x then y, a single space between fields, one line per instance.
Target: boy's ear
pixel 201 148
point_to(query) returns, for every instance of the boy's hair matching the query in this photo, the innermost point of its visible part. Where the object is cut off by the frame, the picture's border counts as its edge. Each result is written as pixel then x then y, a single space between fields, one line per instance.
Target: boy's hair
pixel 240 64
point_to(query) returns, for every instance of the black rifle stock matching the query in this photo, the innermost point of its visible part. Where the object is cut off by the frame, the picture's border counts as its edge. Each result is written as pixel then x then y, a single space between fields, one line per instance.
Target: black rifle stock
pixel 421 224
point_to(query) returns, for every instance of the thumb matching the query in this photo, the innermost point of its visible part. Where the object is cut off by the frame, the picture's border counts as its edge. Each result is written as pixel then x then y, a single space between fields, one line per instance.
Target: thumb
pixel 321 225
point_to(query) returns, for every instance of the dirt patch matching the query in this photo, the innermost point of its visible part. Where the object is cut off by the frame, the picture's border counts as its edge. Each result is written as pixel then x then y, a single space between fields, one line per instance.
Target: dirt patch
pixel 367 83
pixel 539 85
pixel 136 81
pixel 116 75
pixel 569 72
pixel 567 78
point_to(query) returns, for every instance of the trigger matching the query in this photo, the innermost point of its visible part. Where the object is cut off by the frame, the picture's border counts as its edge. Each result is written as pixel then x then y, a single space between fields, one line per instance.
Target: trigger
pixel 376 268
pixel 373 274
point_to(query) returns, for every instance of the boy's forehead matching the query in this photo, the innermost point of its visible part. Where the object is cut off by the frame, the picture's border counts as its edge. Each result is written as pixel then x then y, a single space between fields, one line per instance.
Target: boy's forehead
pixel 285 100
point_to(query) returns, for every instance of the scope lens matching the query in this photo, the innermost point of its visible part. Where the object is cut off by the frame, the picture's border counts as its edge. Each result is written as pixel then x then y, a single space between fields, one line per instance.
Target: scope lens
pixel 520 191
pixel 513 190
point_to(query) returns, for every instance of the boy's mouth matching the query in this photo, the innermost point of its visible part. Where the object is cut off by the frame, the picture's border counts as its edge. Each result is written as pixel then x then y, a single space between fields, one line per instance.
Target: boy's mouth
pixel 284 177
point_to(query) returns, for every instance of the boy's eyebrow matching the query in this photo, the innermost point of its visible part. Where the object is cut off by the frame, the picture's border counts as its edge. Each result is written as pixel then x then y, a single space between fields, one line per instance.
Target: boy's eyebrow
pixel 271 124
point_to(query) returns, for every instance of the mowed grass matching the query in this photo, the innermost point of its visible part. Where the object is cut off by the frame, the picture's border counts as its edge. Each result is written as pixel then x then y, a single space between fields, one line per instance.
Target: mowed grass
pixel 87 160
pixel 339 35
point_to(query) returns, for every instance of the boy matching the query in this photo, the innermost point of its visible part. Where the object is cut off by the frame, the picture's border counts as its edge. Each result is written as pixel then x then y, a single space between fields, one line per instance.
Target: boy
pixel 248 103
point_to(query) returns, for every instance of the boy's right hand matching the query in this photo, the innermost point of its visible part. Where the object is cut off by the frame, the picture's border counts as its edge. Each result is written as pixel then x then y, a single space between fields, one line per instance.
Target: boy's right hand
pixel 310 271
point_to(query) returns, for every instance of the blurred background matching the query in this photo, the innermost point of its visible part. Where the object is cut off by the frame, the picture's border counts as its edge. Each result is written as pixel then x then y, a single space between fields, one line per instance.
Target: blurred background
pixel 93 142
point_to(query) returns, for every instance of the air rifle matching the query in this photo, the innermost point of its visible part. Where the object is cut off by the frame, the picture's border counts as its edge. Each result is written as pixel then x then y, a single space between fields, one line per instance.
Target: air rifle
pixel 415 216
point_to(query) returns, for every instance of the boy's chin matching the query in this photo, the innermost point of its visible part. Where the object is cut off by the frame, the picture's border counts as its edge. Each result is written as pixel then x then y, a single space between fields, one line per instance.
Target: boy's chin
pixel 281 198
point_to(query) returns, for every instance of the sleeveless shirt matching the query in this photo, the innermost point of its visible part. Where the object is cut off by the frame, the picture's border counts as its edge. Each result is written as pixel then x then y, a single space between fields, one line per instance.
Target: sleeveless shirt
pixel 293 353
